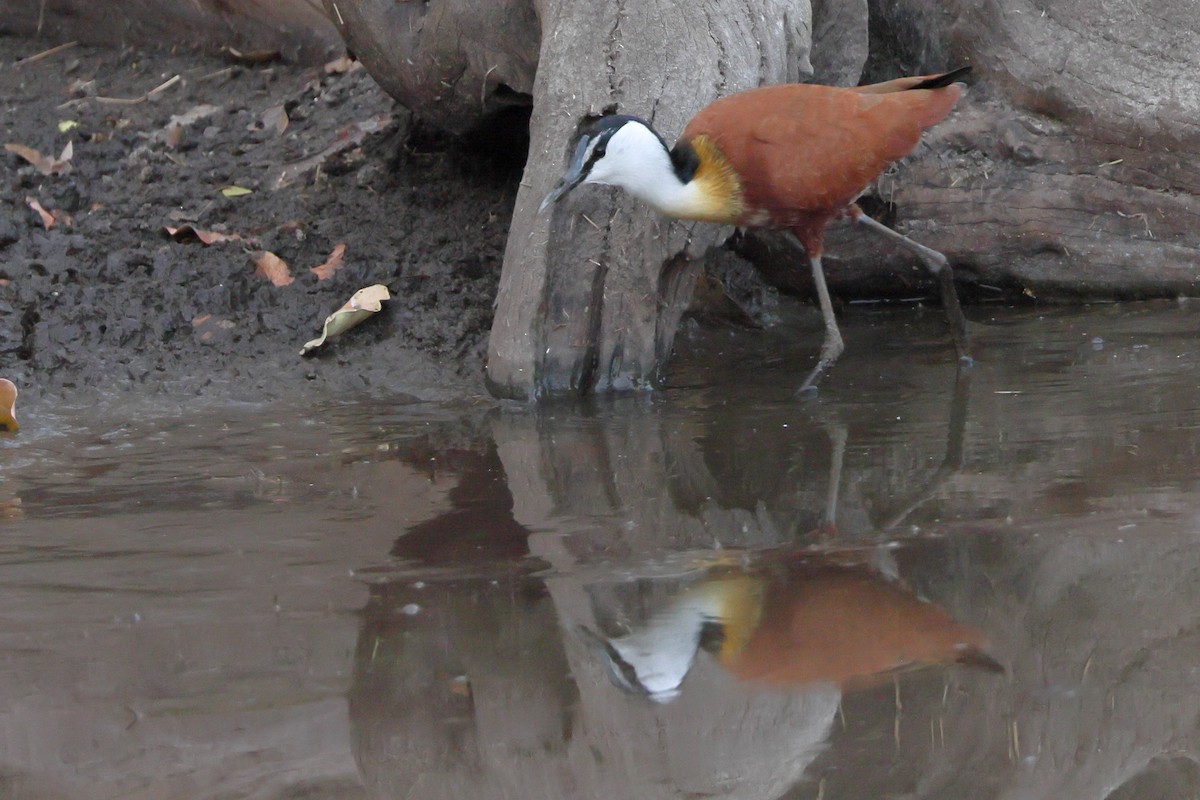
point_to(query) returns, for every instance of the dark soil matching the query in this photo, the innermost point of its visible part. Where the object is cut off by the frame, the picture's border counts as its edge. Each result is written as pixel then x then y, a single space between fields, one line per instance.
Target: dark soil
pixel 105 300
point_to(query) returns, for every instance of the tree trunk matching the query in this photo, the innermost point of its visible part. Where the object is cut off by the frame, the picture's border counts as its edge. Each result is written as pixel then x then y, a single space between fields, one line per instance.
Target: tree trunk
pixel 455 62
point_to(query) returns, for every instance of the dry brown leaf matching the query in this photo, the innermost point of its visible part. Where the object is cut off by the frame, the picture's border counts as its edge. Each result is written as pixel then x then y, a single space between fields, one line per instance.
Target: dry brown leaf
pixel 253 56
pixel 11 509
pixel 340 65
pixel 47 165
pixel 332 264
pixel 209 329
pixel 48 219
pixel 275 118
pixel 8 405
pixel 188 231
pixel 30 155
pixel 272 267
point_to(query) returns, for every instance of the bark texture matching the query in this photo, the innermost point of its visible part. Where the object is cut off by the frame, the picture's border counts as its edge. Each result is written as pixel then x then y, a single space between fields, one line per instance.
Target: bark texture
pixel 591 294
pixel 456 62
pixel 296 28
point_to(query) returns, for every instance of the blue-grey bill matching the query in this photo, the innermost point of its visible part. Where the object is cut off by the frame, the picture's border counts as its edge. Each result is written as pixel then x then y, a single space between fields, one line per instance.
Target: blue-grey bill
pixel 573 177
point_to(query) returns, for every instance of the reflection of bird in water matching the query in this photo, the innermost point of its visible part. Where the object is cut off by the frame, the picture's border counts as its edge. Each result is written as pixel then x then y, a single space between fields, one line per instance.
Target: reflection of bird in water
pixel 807 623
pixel 794 156
pixel 8 401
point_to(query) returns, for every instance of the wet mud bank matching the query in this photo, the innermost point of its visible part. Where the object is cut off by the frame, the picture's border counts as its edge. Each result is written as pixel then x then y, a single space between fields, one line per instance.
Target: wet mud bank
pixel 97 297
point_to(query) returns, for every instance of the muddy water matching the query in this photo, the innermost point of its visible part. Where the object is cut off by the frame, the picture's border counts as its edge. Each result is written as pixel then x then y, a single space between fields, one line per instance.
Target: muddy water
pixel 916 584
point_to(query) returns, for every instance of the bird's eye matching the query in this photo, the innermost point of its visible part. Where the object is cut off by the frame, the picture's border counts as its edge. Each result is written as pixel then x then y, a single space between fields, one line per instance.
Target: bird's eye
pixel 598 153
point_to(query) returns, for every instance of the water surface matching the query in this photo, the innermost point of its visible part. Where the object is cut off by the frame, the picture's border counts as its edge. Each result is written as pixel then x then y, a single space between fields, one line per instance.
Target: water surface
pixel 919 583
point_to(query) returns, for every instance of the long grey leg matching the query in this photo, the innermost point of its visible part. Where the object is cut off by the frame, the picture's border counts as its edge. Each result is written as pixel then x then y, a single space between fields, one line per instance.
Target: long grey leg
pixel 936 263
pixel 832 347
pixel 838 434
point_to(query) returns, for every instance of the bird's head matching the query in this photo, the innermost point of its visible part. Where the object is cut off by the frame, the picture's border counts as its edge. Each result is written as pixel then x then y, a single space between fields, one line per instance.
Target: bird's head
pixel 615 150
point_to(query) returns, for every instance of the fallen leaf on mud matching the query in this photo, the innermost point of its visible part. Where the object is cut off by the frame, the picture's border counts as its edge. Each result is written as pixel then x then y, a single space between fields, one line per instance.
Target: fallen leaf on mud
pixel 48 219
pixel 236 191
pixel 174 135
pixel 47 165
pixel 332 264
pixel 362 305
pixel 275 118
pixel 8 405
pixel 81 88
pixel 253 56
pixel 348 137
pixel 209 329
pixel 11 509
pixel 340 65
pixel 187 232
pixel 272 267
pixel 193 115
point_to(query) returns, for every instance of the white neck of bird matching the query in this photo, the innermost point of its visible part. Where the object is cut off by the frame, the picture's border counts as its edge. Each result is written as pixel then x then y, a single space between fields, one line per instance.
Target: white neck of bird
pixel 637 162
pixel 662 652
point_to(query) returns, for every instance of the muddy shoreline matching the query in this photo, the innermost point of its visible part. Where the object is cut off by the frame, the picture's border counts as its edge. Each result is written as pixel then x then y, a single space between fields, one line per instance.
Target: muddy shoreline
pixel 104 301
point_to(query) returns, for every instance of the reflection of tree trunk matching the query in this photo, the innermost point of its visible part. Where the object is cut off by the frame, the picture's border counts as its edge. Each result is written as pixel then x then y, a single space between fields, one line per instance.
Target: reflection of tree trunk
pixel 956 432
pixel 605 465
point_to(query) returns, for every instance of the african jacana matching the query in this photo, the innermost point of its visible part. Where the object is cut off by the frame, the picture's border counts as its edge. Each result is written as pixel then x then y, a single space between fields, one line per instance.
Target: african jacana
pixel 794 156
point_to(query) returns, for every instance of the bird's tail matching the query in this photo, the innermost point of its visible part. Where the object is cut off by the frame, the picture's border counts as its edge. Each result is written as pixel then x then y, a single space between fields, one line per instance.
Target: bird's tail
pixel 915 82
pixel 945 79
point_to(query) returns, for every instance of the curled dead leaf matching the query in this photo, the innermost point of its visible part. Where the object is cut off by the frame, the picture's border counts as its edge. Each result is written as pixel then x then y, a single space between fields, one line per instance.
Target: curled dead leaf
pixel 8 405
pixel 332 264
pixel 188 232
pixel 253 56
pixel 272 267
pixel 365 303
pixel 47 165
pixel 48 219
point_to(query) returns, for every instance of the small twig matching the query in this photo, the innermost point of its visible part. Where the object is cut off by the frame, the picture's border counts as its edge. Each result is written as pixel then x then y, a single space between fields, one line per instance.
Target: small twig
pixel 483 86
pixel 162 87
pixel 216 74
pixel 133 101
pixel 53 51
